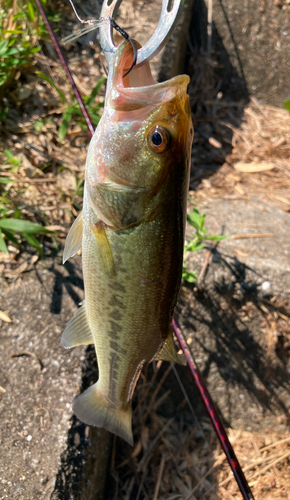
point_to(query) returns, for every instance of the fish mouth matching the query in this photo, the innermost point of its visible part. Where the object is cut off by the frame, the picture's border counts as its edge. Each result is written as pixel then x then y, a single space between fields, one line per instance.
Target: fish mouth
pixel 138 89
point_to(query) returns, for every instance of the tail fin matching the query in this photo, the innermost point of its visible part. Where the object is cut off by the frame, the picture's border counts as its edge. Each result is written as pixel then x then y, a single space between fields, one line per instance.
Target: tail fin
pixel 92 408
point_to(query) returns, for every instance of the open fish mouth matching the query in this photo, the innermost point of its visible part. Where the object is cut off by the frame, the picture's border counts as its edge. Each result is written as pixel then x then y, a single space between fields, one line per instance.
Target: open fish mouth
pixel 138 89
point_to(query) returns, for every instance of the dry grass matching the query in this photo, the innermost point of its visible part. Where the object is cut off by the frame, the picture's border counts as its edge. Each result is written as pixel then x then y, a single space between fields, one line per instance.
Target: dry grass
pixel 170 456
pixel 265 458
pixel 180 457
pixel 263 139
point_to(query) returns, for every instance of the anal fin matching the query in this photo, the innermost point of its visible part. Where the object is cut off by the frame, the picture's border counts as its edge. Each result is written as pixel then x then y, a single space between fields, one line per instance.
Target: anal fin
pixel 77 331
pixel 74 238
pixel 168 351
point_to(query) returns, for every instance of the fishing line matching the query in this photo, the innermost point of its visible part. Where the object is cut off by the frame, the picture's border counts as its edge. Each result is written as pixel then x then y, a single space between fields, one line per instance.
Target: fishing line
pixel 187 399
pixel 79 18
pixel 94 24
pixel 126 36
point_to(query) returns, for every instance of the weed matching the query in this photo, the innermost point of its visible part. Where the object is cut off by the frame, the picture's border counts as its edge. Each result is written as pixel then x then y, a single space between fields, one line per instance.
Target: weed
pixel 12 227
pixel 11 160
pixel 198 241
pixel 287 105
pixel 21 28
pixel 72 112
pixel 9 226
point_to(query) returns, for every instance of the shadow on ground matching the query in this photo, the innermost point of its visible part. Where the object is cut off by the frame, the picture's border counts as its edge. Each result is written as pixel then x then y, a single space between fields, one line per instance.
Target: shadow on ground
pixel 239 343
pixel 218 95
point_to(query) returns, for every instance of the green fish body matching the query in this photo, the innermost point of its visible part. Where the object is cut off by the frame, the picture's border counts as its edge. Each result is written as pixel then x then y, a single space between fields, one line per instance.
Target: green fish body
pixel 131 232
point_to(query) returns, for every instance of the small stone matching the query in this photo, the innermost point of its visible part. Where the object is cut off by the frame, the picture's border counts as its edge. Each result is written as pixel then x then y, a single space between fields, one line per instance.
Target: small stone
pixel 77 439
pixel 24 93
pixel 266 285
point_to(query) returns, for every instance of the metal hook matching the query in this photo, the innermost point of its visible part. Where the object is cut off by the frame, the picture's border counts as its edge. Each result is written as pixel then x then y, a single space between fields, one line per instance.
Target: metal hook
pixel 167 22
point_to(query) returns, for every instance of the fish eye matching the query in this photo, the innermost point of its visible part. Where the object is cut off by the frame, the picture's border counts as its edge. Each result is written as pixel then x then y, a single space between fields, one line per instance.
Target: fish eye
pixel 159 139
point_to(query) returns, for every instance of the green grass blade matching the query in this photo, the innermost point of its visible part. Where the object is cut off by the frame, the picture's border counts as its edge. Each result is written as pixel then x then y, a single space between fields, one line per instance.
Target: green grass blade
pixel 33 242
pixel 3 247
pixel 51 82
pixel 30 12
pixel 22 226
pixel 189 276
pixel 66 119
pixel 10 236
pixel 95 118
pixel 5 180
pixel 217 237
pixel 95 91
pixel 8 154
pixel 287 105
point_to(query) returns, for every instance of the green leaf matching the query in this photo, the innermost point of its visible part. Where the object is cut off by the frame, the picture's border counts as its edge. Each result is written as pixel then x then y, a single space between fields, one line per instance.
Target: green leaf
pixel 34 50
pixel 217 237
pixel 8 154
pixel 95 118
pixel 33 242
pixel 66 119
pixel 10 236
pixel 3 47
pixel 12 32
pixel 5 180
pixel 30 12
pixel 190 276
pixel 21 226
pixel 195 219
pixel 10 52
pixel 287 105
pixel 51 82
pixel 3 113
pixel 38 125
pixel 3 247
pixel 98 106
pixel 194 246
pixel 95 91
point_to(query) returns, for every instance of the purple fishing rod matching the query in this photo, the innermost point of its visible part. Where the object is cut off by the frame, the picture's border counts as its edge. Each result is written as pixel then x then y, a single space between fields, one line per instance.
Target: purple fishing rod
pixel 215 420
pixel 203 392
pixel 68 73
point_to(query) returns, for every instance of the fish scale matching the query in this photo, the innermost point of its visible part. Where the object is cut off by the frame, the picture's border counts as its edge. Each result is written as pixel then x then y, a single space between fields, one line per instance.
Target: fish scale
pixel 132 235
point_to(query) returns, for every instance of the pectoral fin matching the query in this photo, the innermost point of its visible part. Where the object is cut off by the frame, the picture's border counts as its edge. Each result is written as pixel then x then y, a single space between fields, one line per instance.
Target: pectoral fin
pixel 77 331
pixel 74 238
pixel 105 250
pixel 168 351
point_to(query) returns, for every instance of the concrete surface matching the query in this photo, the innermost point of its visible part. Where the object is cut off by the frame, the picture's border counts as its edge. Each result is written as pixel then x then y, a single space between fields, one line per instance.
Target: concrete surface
pixel 251 46
pixel 43 448
pixel 238 318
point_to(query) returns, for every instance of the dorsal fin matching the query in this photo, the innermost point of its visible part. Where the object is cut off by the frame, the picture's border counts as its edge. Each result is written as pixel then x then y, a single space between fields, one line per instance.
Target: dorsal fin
pixel 77 331
pixel 74 238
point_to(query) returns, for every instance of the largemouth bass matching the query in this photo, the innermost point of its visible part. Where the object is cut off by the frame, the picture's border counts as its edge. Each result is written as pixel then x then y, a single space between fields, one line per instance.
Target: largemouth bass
pixel 131 232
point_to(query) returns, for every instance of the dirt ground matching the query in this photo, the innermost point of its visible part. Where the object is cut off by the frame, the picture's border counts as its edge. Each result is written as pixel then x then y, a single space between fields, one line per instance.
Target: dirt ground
pixel 39 380
pixel 236 320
